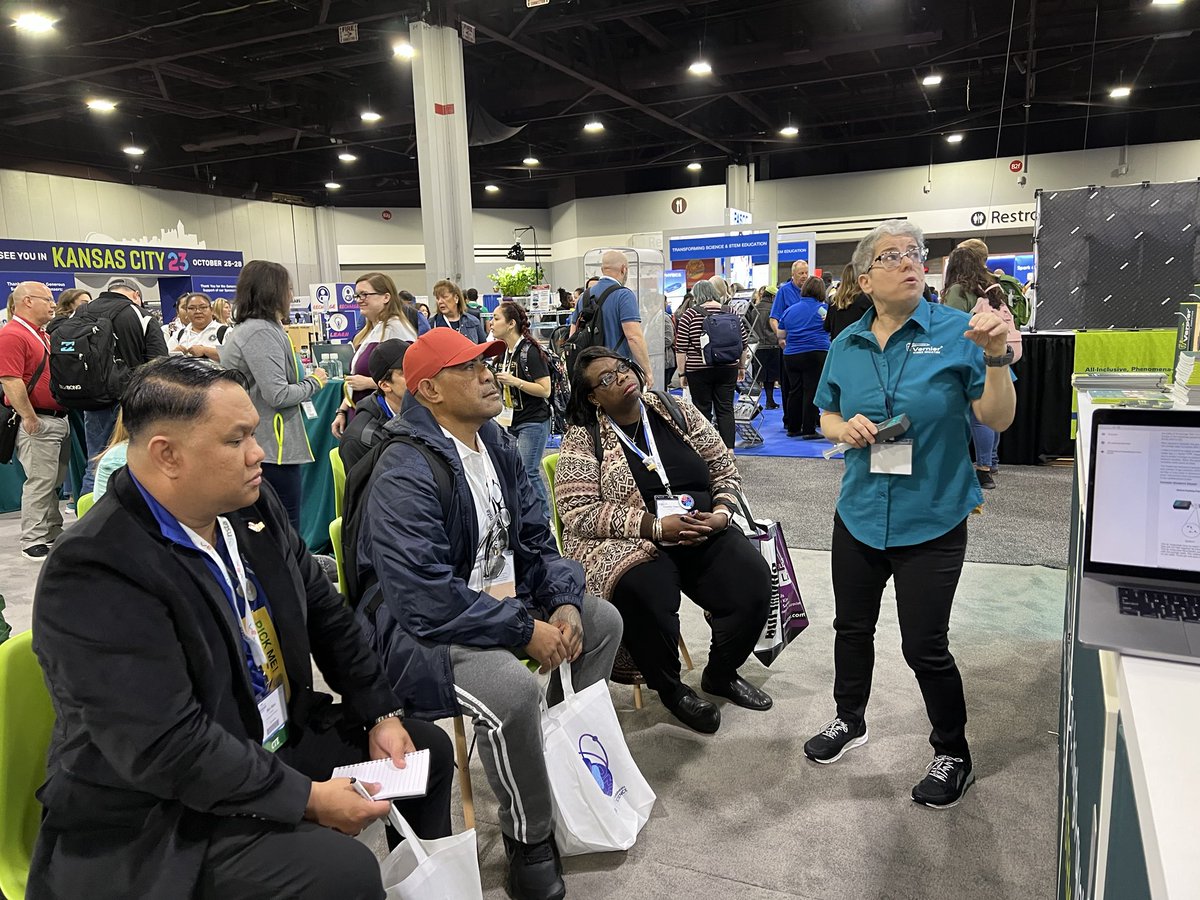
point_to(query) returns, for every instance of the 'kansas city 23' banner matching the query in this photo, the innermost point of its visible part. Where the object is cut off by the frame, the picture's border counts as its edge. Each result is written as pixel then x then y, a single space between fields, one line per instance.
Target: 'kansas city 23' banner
pixel 115 259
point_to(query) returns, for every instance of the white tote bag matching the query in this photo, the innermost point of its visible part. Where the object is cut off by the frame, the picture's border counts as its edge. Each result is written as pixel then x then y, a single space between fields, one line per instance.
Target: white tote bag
pixel 442 869
pixel 601 800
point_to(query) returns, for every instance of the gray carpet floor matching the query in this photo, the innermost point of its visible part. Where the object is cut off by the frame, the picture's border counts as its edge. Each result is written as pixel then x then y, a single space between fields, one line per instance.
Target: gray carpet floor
pixel 1025 521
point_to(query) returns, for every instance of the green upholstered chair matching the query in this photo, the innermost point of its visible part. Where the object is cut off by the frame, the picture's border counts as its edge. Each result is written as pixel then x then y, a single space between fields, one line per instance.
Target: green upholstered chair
pixel 26 720
pixel 335 538
pixel 83 504
pixel 339 481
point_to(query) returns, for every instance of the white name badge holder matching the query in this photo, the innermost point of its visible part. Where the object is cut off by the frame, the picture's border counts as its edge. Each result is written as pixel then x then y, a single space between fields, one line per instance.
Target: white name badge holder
pixel 668 504
pixel 309 408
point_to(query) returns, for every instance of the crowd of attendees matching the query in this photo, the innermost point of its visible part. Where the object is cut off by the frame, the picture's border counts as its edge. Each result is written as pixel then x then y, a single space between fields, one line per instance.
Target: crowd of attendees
pixel 456 593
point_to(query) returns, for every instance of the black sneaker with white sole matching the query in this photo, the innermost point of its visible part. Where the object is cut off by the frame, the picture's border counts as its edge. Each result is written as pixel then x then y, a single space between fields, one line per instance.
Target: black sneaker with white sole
pixel 945 782
pixel 832 742
pixel 37 552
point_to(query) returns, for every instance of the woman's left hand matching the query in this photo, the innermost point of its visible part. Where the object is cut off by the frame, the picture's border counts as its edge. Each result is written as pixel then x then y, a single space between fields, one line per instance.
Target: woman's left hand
pixel 508 379
pixel 360 383
pixel 716 522
pixel 990 332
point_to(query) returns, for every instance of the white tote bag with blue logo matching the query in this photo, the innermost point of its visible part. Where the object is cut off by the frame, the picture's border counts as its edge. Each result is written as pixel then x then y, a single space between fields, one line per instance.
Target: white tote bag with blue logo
pixel 601 800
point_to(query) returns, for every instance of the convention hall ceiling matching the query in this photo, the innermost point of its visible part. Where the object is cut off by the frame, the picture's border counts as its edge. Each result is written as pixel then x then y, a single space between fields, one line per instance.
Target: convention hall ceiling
pixel 261 98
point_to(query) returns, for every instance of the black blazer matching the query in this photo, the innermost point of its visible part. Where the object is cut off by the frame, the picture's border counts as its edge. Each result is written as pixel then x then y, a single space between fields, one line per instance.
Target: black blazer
pixel 157 733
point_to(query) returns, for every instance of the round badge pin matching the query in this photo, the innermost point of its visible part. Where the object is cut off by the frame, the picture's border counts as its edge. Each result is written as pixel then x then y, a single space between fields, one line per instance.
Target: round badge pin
pixel 687 501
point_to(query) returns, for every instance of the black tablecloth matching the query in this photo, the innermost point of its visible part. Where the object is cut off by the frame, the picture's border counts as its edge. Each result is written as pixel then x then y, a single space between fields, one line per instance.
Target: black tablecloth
pixel 1042 428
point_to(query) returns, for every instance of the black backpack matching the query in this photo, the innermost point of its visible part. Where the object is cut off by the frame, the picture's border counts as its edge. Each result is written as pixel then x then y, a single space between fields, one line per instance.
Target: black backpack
pixel 589 327
pixel 560 385
pixel 85 370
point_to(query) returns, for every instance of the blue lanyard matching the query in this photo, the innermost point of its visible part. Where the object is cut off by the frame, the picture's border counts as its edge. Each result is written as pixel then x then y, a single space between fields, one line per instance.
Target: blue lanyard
pixel 889 400
pixel 652 460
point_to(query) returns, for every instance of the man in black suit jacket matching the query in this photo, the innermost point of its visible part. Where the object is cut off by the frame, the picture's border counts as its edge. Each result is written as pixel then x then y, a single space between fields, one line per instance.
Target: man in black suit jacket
pixel 191 756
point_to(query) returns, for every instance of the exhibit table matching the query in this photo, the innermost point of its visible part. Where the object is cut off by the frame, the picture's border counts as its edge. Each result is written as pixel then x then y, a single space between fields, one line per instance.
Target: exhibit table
pixel 1129 729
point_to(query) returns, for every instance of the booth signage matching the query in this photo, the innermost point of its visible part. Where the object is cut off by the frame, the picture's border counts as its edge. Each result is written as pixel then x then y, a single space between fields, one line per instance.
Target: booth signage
pixel 57 284
pixel 758 244
pixel 794 250
pixel 116 259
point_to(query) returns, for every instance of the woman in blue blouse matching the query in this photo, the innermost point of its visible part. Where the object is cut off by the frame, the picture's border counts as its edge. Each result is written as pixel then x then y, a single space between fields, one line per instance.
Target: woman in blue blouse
pixel 903 509
pixel 806 342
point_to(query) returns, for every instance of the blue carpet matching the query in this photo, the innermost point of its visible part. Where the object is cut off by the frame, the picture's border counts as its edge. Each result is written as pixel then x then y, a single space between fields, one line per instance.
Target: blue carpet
pixel 777 443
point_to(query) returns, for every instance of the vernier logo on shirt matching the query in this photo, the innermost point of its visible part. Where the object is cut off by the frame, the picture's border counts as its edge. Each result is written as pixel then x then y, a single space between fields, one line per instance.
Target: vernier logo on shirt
pixel 919 348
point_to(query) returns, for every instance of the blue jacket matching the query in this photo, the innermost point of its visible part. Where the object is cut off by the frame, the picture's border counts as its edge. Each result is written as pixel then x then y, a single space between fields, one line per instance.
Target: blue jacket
pixel 415 554
pixel 469 326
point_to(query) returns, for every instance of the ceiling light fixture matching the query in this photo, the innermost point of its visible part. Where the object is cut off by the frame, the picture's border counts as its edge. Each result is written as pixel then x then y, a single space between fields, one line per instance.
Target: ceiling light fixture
pixel 1121 92
pixel 700 68
pixel 133 150
pixel 531 160
pixel 33 23
pixel 403 50
pixel 594 126
pixel 933 79
pixel 1166 2
pixel 369 115
pixel 491 189
pixel 332 186
pixel 96 104
pixel 789 130
pixel 347 157
pixel 694 167
pixel 955 138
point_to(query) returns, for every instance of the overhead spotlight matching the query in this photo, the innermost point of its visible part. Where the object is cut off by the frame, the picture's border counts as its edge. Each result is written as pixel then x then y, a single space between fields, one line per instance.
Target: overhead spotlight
pixel 347 157
pixel 491 189
pixel 789 131
pixel 332 186
pixel 594 126
pixel 694 167
pixel 700 68
pixel 369 115
pixel 531 160
pixel 933 79
pixel 1121 92
pixel 33 23
pixel 1166 2
pixel 955 138
pixel 99 105
pixel 516 251
pixel 133 150
pixel 403 50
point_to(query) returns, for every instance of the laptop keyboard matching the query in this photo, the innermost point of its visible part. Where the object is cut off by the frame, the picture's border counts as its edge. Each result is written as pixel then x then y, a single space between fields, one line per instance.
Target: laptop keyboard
pixel 1159 604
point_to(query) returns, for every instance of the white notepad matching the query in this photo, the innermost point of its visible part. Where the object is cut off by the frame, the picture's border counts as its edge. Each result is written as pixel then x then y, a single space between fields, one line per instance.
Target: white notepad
pixel 396 784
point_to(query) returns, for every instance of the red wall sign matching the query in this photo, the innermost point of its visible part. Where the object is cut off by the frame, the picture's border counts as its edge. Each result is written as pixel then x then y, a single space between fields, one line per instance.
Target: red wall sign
pixel 1015 166
pixel 443 109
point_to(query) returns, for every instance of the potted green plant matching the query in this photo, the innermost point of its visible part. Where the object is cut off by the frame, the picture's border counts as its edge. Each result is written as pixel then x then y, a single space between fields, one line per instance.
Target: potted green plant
pixel 514 281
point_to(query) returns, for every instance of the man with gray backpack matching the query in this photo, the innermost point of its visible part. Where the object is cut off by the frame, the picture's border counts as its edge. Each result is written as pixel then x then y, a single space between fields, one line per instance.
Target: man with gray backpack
pixel 711 343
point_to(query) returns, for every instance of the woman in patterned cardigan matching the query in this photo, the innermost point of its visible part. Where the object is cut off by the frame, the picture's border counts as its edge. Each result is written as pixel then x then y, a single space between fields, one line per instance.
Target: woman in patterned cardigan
pixel 646 489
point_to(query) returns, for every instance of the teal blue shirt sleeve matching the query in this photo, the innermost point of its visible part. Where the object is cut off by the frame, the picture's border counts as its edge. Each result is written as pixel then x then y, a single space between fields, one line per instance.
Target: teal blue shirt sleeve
pixel 829 395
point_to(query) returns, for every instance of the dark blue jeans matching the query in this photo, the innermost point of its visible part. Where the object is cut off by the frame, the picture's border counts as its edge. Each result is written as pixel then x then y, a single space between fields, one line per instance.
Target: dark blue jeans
pixel 531 444
pixel 288 485
pixel 97 429
pixel 987 444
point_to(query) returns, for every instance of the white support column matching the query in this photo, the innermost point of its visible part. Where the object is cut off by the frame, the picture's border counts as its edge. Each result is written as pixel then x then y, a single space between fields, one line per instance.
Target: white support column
pixel 443 161
pixel 737 189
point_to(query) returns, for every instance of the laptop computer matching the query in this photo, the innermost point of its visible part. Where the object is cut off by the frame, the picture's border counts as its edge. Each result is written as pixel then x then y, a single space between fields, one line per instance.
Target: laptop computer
pixel 1140 590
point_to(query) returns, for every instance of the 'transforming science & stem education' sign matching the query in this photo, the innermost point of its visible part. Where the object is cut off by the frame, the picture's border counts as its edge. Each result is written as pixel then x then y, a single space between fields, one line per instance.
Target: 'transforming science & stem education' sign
pixel 116 259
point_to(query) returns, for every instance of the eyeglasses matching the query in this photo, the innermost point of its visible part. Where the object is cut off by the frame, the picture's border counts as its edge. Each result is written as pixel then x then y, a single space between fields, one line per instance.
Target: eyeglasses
pixel 196 308
pixel 495 542
pixel 608 379
pixel 892 259
pixel 47 299
pixel 363 295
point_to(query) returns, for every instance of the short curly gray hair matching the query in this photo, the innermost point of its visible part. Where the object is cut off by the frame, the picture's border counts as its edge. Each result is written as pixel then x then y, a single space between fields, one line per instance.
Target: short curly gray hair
pixel 864 253
pixel 705 292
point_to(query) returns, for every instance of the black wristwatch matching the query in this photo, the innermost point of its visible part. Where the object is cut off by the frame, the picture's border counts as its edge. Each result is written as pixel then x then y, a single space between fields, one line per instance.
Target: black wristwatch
pixel 997 362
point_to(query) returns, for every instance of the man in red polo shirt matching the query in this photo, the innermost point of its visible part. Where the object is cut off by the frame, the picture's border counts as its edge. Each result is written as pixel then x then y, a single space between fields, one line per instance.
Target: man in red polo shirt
pixel 42 446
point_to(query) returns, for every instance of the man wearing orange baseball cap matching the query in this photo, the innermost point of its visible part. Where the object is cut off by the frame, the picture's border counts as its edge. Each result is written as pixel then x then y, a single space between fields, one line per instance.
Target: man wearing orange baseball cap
pixel 461 578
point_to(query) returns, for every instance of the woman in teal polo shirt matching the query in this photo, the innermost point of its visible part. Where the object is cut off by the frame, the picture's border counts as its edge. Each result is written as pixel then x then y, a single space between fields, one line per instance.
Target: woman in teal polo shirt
pixel 903 509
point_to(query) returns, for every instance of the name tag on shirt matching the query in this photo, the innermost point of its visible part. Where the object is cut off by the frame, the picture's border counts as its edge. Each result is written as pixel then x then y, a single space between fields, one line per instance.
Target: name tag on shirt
pixel 894 458
pixel 505 417
pixel 669 506
pixel 272 709
pixel 310 410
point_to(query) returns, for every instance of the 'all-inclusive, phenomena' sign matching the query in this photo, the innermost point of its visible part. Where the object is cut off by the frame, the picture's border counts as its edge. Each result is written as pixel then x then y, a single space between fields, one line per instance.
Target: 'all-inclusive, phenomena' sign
pixel 116 259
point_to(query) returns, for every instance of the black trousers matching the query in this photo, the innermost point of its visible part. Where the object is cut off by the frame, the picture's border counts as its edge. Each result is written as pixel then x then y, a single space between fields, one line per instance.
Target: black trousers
pixel 803 374
pixel 768 368
pixel 251 858
pixel 712 392
pixel 289 485
pixel 926 577
pixel 724 575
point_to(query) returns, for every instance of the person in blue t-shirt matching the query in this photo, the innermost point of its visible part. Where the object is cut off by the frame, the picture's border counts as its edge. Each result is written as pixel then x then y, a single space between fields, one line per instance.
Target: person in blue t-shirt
pixel 789 292
pixel 902 513
pixel 806 343
pixel 620 313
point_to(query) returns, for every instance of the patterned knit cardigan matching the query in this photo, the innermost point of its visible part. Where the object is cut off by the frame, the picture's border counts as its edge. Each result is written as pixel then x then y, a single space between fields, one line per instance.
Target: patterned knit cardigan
pixel 600 504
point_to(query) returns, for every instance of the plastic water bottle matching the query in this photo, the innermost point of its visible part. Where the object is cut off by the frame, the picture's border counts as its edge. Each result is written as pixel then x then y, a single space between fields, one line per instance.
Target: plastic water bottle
pixel 332 364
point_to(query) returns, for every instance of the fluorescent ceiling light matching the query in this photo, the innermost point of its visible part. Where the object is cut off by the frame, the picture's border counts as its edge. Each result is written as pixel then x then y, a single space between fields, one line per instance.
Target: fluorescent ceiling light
pixel 404 50
pixel 491 189
pixel 933 79
pixel 133 150
pixel 1166 2
pixel 789 131
pixel 370 116
pixel 99 105
pixel 1120 93
pixel 531 160
pixel 332 186
pixel 594 126
pixel 955 138
pixel 700 68
pixel 34 23
pixel 347 157
pixel 694 167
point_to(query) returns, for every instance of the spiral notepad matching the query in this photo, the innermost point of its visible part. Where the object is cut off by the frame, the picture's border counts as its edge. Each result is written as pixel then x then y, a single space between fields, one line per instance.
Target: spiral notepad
pixel 396 784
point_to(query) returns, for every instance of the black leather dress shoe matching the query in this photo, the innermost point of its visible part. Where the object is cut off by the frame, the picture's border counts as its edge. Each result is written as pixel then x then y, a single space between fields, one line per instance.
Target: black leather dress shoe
pixel 694 711
pixel 738 690
pixel 534 871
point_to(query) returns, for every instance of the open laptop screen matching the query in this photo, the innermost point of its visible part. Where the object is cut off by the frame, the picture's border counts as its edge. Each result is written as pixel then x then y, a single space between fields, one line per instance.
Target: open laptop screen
pixel 1144 497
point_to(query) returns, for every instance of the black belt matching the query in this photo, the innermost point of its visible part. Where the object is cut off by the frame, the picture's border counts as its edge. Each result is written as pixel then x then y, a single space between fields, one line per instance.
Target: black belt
pixel 56 413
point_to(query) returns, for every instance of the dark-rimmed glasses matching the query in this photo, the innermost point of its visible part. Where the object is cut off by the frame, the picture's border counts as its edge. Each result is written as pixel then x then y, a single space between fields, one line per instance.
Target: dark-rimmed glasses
pixel 608 379
pixel 890 260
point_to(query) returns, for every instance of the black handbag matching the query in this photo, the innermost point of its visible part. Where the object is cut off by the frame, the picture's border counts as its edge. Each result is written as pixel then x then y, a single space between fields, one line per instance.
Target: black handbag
pixel 8 431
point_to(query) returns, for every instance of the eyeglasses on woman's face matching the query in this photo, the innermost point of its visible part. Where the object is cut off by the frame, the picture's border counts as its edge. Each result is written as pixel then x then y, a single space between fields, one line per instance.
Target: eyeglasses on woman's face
pixel 609 378
pixel 363 295
pixel 890 260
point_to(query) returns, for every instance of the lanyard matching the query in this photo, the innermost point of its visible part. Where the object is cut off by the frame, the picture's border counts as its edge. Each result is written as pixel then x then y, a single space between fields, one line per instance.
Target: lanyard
pixel 45 342
pixel 889 399
pixel 652 461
